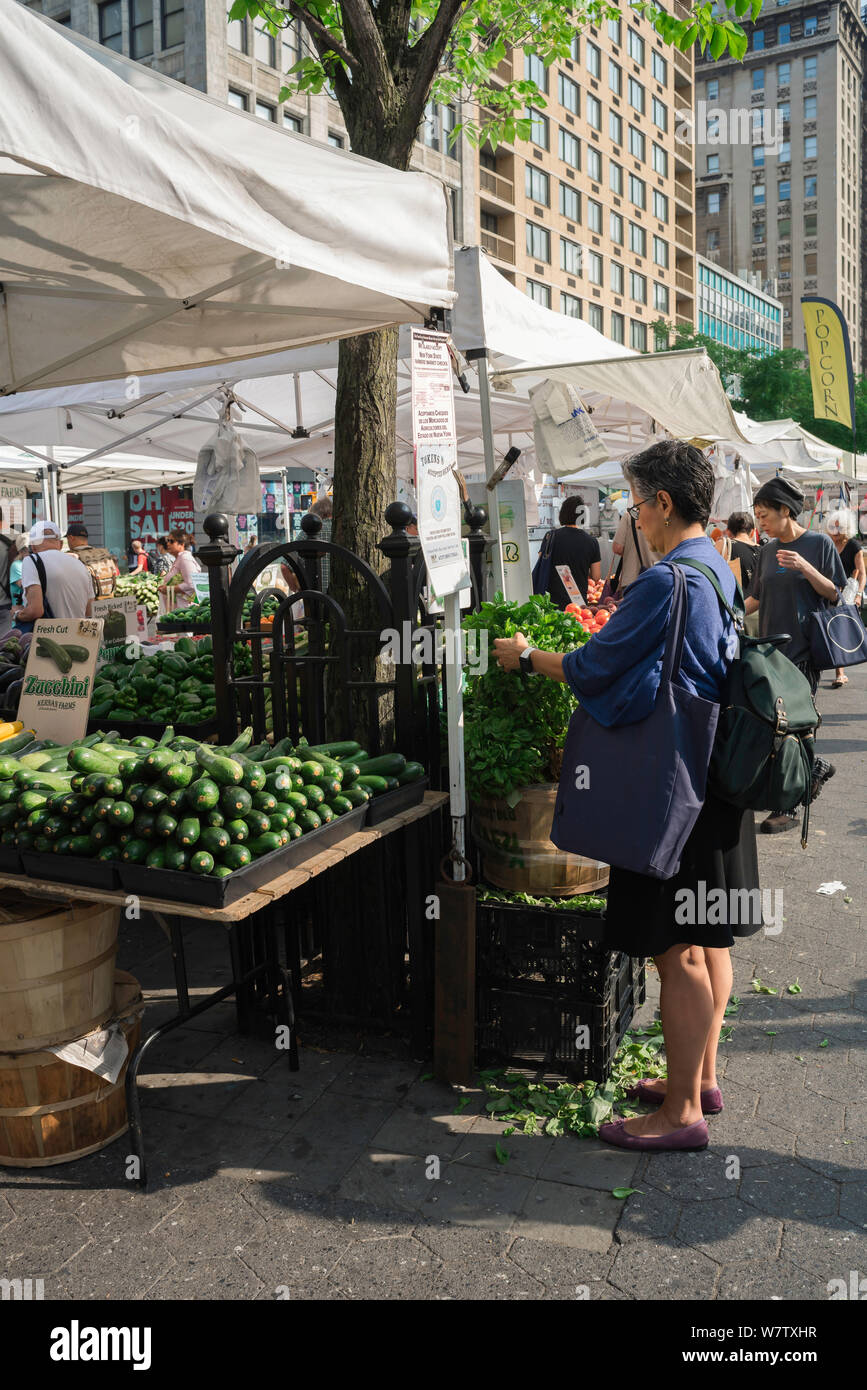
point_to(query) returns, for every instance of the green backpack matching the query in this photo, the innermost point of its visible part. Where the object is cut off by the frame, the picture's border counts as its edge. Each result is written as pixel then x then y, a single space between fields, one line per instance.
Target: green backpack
pixel 762 757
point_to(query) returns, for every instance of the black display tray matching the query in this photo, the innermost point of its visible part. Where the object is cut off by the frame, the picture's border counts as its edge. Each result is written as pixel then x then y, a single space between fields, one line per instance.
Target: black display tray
pixel 10 860
pixel 183 629
pixel 389 804
pixel 71 868
pixel 148 729
pixel 176 886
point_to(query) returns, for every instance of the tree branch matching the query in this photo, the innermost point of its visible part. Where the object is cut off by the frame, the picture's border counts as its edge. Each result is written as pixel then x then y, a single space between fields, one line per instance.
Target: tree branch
pixel 320 33
pixel 426 54
pixel 358 17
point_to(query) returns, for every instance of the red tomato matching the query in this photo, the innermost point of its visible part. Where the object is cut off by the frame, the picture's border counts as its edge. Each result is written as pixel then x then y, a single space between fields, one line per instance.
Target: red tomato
pixel 571 608
pixel 602 616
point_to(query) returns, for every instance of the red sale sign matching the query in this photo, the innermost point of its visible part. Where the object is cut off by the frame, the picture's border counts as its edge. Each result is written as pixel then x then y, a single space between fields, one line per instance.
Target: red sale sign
pixel 155 511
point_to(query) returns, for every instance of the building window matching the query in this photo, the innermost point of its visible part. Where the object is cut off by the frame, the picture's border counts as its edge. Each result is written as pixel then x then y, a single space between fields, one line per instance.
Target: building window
pixel 614 30
pixel 293 122
pixel 615 227
pixel 660 114
pixel 111 25
pixel 660 206
pixel 570 305
pixel 570 256
pixel 537 185
pixel 638 335
pixel 594 316
pixel 784 190
pixel 618 324
pixel 809 146
pixel 172 21
pixel 615 127
pixel 659 67
pixel 637 239
pixel 615 77
pixel 636 144
pixel 266 112
pixel 541 294
pixel 759 156
pixel 636 95
pixel 811 186
pixel 594 165
pixel 535 71
pixel 141 28
pixel 638 287
pixel 660 252
pixel 784 33
pixel 712 89
pixel 809 108
pixel 758 40
pixel 660 298
pixel 637 191
pixel 810 25
pixel 336 140
pixel 538 127
pixel 237 33
pixel 784 154
pixel 811 263
pixel 810 66
pixel 758 195
pixel 237 99
pixel 594 215
pixel 660 159
pixel 615 177
pixel 291 46
pixel 784 112
pixel 713 239
pixel 635 46
pixel 759 79
pixel 430 127
pixel 569 94
pixel 538 242
pixel 616 276
pixel 570 203
pixel 784 226
pixel 570 148
pixel 713 164
pixel 594 267
pixel 593 60
pixel 811 224
pixel 593 112
pixel 758 231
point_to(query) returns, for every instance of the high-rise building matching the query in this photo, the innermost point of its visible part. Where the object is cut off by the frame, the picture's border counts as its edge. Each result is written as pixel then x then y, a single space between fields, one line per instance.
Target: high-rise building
pixel 736 311
pixel 594 215
pixel 779 153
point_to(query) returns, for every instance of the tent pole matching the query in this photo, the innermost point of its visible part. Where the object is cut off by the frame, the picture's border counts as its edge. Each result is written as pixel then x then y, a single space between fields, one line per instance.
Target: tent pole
pixel 46 498
pixel 455 705
pixel 286 535
pixel 480 356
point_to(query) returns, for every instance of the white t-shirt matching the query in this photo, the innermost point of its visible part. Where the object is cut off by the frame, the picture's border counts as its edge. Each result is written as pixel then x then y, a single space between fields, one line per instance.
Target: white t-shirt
pixel 69 584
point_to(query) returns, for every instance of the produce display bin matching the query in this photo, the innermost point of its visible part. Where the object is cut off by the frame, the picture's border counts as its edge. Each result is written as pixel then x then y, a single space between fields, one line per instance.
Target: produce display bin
pixel 388 804
pixel 148 729
pixel 70 868
pixel 10 860
pixel 186 887
pixel 184 629
pixel 539 948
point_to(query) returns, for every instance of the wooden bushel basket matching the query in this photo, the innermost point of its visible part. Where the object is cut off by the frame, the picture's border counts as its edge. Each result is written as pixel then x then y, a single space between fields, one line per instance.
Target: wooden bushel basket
pixel 517 852
pixel 54 1112
pixel 56 971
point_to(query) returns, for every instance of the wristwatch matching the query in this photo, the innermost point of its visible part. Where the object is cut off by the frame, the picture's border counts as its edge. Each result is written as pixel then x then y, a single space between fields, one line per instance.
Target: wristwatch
pixel 525 661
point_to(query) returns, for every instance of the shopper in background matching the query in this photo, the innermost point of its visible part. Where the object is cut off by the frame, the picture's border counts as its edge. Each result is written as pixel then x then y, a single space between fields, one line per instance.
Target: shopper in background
pixel 55 582
pixel 184 564
pixel 20 550
pixel 99 562
pixel 636 554
pixel 7 557
pixel 842 526
pixel 140 563
pixel 323 509
pixel 795 574
pixel 575 548
pixel 163 561
pixel 740 530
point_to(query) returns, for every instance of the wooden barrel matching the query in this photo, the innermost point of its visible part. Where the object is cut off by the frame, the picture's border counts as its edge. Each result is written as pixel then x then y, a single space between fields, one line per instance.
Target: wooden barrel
pixel 517 852
pixel 56 971
pixel 54 1112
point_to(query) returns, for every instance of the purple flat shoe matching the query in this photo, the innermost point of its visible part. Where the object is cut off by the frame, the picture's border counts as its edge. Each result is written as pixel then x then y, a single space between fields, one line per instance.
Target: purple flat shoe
pixel 688 1139
pixel 711 1100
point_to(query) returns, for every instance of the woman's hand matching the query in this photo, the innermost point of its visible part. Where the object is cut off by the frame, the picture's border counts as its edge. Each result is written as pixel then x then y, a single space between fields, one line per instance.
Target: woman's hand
pixel 507 650
pixel 791 560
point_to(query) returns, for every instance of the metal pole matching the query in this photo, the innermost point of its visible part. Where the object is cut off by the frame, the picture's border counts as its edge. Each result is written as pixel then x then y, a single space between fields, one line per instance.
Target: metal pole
pixel 286 535
pixel 490 466
pixel 455 699
pixel 53 470
pixel 46 497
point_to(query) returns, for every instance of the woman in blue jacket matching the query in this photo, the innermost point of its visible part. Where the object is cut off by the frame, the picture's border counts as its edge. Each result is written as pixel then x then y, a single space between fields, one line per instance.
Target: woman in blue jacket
pixel 616 677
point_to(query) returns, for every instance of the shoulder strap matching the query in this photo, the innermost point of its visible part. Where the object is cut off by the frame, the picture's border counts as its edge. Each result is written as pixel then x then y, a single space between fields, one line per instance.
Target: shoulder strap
pixel 737 612
pixel 642 565
pixel 673 650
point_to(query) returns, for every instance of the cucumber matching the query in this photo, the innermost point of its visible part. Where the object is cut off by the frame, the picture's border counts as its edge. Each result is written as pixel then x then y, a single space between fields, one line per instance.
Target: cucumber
pixel 156 858
pixel 239 831
pixel 135 791
pixel 154 799
pixel 31 801
pixel 214 818
pixel 330 785
pixel 214 840
pixel 145 826
pixel 104 807
pixel 226 771
pixel 264 844
pixel 202 862
pixel 356 796
pixel 351 770
pixel 315 795
pixel 411 773
pixel 257 823
pixel 237 856
pixel 100 833
pixel 221 871
pixel 285 810
pixel 177 776
pixel 308 820
pixel 295 831
pixel 389 765
pixel 158 761
pixel 330 766
pixel 122 813
pixel 135 851
pixel 235 801
pixel 325 813
pixel 83 845
pixel 255 776
pixel 347 749
pixel 101 784
pixel 203 794
pixel 376 785
pixel 278 782
pixel 264 801
pixel 86 760
pixel 297 800
pixel 310 771
pixel 188 831
pixel 175 856
pixel 165 825
pixel 340 805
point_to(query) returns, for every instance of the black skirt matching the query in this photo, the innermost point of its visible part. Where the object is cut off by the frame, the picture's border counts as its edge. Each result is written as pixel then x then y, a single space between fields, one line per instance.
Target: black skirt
pixel 647 915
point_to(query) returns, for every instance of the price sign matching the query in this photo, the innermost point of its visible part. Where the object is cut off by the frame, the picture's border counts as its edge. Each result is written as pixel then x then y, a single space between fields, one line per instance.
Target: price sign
pixel 58 678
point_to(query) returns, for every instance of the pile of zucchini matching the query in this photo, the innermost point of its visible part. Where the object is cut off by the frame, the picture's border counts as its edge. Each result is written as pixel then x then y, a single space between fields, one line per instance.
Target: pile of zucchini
pixel 179 804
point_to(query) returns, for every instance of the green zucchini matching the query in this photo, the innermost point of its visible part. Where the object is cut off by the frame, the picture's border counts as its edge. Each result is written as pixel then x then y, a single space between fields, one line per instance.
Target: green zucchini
pixel 31 801
pixel 325 813
pixel 347 749
pixel 203 794
pixel 356 796
pixel 308 820
pixel 100 833
pixel 9 814
pixel 122 813
pixel 239 831
pixel 236 857
pixel 214 840
pixel 215 818
pixel 278 782
pixel 177 776
pixel 330 785
pixel 156 858
pixel 98 784
pixel 154 799
pixel 297 800
pixel 264 801
pixel 104 807
pixel 376 785
pixel 226 771
pixel 351 770
pixel 135 791
pixel 37 819
pixel 389 765
pixel 255 776
pixel 135 851
pixel 86 760
pixel 221 871
pixel 340 805
pixel 175 856
pixel 257 822
pixel 264 844
pixel 285 810
pixel 165 825
pixel 145 825
pixel 83 845
pixel 315 794
pixel 235 801
pixel 411 773
pixel 188 831
pixel 295 831
pixel 202 862
pixel 310 771
pixel 158 761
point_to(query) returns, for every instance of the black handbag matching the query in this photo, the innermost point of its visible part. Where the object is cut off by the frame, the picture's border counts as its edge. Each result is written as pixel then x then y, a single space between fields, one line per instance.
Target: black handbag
pixel 837 636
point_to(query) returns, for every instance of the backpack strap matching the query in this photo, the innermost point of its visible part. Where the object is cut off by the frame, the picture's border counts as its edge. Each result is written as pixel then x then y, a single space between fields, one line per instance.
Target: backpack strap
pixel 736 613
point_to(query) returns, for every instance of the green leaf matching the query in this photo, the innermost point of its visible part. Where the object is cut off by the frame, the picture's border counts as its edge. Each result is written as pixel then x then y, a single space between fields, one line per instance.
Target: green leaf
pixel 718 43
pixel 462 1104
pixel 794 989
pixel 825 1042
pixel 623 1192
pixel 759 988
pixel 428 1076
pixel 503 1155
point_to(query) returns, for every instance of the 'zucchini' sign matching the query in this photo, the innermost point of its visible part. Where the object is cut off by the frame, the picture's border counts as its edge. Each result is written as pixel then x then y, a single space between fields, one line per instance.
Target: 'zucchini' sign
pixel 58 677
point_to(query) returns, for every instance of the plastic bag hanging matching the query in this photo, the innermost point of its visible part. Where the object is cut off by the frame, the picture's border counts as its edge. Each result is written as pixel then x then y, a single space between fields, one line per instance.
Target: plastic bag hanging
pixel 227 473
pixel 564 436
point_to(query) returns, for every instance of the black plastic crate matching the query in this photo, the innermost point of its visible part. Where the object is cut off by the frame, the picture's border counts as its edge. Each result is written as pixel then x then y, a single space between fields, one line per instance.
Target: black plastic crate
pixel 539 1031
pixel 387 804
pixel 539 948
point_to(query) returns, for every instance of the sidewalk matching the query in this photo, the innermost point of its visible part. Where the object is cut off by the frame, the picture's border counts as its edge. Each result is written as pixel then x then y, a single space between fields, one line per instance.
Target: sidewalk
pixel 316 1183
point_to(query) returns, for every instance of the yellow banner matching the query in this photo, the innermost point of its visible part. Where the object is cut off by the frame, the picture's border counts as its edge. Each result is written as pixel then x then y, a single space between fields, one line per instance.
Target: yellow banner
pixel 830 360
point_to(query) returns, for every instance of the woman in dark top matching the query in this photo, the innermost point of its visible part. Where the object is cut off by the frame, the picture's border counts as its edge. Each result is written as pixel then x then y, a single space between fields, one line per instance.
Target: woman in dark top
pixel 841 527
pixel 573 547
pixel 616 678
pixel 795 575
pixel 739 528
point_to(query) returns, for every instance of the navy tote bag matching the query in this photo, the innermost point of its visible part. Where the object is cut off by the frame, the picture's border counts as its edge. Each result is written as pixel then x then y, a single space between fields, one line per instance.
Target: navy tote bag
pixel 630 795
pixel 837 637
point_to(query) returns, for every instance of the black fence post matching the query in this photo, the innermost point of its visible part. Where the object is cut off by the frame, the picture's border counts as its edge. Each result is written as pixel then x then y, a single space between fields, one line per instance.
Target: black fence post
pixel 398 549
pixel 218 555
pixel 476 518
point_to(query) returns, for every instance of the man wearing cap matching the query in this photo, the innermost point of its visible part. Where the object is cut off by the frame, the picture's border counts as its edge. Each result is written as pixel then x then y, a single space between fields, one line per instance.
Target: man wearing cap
pixel 55 582
pixel 99 561
pixel 795 574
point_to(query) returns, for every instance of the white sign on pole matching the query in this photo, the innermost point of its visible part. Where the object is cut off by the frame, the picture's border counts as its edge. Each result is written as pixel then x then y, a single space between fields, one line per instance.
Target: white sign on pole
pixel 435 441
pixel 13 505
pixel 120 618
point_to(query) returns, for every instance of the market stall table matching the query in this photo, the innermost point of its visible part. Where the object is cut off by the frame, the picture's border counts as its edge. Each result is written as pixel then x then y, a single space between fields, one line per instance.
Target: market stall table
pixel 262 938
